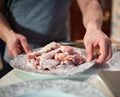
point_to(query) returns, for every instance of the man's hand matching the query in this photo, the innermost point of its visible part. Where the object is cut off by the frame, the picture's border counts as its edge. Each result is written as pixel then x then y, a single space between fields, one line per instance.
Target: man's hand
pixel 96 38
pixel 17 44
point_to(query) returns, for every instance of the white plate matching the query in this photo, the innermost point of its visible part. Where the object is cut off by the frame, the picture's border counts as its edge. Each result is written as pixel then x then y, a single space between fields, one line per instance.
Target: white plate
pixel 51 88
pixel 20 63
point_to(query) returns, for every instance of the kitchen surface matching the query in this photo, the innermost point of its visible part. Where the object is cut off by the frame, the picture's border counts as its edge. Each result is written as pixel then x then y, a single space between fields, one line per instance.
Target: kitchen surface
pixel 88 79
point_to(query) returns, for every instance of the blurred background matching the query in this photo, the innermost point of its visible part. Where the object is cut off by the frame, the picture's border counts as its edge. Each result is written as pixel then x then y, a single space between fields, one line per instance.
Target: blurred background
pixel 111 26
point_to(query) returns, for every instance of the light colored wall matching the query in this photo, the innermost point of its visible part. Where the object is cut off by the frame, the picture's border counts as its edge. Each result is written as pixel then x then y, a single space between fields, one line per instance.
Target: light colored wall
pixel 115 22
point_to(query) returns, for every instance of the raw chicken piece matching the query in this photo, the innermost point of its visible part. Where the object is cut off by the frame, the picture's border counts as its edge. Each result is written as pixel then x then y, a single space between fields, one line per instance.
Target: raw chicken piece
pixel 50 54
pixel 33 62
pixel 33 55
pixel 55 55
pixel 73 59
pixel 48 64
pixel 68 49
pixel 60 56
pixel 42 63
pixel 49 47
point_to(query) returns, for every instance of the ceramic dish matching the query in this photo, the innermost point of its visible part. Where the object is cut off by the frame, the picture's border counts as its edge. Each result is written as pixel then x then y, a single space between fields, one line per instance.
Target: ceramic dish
pixel 51 88
pixel 20 63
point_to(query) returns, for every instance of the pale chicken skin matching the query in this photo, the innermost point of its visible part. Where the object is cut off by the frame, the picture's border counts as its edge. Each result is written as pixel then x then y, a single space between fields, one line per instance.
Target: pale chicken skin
pixel 53 55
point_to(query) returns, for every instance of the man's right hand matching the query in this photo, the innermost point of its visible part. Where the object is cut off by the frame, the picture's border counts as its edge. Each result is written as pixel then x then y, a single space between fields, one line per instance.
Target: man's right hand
pixel 17 44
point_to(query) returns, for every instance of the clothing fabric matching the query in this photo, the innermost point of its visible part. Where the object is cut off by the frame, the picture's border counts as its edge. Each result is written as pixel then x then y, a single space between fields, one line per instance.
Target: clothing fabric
pixel 41 21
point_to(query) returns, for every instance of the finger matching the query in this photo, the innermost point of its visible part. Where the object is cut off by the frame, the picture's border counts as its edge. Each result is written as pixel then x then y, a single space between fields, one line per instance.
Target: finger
pixel 25 45
pixel 103 53
pixel 89 52
pixel 15 51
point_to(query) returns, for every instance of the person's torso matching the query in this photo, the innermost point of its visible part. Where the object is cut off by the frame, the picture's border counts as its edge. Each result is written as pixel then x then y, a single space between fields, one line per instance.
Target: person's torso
pixel 44 20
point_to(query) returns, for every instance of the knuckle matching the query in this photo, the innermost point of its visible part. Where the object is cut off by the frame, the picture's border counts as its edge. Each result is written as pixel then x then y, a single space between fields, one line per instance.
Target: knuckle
pixel 23 39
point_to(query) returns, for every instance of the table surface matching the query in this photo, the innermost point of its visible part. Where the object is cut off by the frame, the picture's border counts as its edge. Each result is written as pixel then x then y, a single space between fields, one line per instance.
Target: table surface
pixel 91 76
pixel 14 77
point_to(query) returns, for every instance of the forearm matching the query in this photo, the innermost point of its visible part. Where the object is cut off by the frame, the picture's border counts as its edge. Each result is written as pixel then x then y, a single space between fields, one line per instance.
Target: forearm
pixel 5 30
pixel 92 13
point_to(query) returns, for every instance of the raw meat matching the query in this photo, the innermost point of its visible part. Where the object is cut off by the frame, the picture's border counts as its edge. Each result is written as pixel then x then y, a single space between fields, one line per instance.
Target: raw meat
pixel 53 55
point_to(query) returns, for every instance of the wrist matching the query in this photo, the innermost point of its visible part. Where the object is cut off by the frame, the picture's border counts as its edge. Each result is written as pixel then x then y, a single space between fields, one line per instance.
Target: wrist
pixel 8 35
pixel 94 25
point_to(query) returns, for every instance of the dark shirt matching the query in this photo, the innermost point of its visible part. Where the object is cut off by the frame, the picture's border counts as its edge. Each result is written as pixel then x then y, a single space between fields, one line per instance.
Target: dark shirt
pixel 41 21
